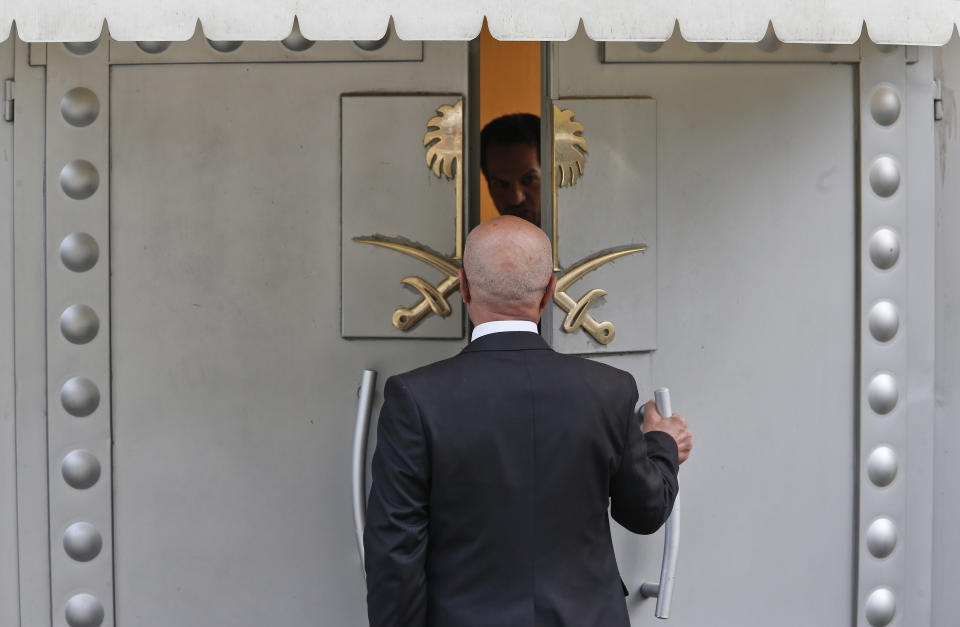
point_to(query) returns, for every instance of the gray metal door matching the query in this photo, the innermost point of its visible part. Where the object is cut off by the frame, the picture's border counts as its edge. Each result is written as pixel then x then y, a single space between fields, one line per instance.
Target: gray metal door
pixel 740 178
pixel 211 314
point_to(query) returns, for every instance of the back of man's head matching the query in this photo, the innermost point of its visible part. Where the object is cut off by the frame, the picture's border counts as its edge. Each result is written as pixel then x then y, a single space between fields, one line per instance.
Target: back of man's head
pixel 508 130
pixel 508 265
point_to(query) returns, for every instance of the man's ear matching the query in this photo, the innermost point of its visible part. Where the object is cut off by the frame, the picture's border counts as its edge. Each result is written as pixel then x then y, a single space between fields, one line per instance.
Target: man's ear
pixel 464 288
pixel 548 294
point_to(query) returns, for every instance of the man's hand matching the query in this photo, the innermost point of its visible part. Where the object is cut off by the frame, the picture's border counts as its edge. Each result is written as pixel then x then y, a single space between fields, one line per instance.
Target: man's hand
pixel 675 425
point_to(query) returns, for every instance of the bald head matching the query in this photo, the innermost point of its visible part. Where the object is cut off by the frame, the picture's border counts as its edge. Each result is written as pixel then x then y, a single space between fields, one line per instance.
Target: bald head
pixel 508 267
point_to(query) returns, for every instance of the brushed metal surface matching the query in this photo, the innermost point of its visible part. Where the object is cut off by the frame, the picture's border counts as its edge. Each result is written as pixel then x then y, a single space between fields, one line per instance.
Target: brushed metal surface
pixel 731 201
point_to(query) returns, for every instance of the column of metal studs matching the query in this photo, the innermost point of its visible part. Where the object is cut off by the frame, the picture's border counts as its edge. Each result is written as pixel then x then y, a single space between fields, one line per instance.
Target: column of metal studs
pixel 78 351
pixel 883 349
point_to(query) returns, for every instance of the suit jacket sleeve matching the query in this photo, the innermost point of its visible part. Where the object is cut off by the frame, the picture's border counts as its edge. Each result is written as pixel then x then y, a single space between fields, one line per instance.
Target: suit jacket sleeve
pixel 643 489
pixel 395 537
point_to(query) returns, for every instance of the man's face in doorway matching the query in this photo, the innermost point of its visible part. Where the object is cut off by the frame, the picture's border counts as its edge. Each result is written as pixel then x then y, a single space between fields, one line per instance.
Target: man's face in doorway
pixel 513 178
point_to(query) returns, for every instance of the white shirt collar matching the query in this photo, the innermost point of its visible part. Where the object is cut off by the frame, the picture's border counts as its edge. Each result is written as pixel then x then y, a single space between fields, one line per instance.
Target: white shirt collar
pixel 499 326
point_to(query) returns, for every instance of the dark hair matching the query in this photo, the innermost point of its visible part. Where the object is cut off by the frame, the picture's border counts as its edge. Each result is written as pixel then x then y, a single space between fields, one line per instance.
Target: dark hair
pixel 510 130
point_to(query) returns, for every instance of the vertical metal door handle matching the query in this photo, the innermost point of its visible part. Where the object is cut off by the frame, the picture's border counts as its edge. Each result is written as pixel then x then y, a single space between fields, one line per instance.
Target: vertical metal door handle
pixel 361 433
pixel 671 539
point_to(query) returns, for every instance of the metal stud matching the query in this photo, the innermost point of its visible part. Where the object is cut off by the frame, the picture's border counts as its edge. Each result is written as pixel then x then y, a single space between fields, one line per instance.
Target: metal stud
pixel 882 466
pixel 80 469
pixel 885 105
pixel 82 541
pixel 295 41
pixel 153 47
pixel 884 248
pixel 884 176
pixel 79 106
pixel 84 610
pixel 81 47
pixel 223 45
pixel 880 607
pixel 79 324
pixel 881 537
pixel 79 179
pixel 883 320
pixel 709 46
pixel 79 252
pixel 373 44
pixel 882 393
pixel 80 396
pixel 649 46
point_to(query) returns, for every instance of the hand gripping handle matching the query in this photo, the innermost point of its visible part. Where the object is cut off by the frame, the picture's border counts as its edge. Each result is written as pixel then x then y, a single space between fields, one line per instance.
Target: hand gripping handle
pixel 359 471
pixel 671 539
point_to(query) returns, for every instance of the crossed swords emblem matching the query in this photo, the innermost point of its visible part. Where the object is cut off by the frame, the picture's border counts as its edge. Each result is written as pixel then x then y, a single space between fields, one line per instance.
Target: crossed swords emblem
pixel 434 297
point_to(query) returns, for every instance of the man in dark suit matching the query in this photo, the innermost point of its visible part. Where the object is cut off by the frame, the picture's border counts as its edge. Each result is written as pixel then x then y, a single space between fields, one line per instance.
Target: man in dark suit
pixel 495 468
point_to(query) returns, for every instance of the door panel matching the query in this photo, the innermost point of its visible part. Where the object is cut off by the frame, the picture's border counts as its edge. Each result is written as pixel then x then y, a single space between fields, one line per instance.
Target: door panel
pixel 756 261
pixel 234 393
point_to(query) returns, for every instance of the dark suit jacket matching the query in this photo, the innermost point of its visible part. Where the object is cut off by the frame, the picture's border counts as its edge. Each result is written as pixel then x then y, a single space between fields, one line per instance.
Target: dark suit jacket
pixel 491 481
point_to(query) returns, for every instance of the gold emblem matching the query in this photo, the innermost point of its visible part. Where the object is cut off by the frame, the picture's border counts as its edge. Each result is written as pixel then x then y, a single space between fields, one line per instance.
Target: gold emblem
pixel 577 310
pixel 444 143
pixel 569 162
pixel 434 298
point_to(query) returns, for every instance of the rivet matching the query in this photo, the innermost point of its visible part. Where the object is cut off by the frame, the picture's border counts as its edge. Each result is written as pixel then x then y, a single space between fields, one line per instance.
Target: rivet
pixel 80 396
pixel 153 47
pixel 709 46
pixel 882 466
pixel 82 541
pixel 79 106
pixel 881 537
pixel 80 469
pixel 223 45
pixel 880 607
pixel 884 248
pixel 79 252
pixel 882 393
pixel 885 105
pixel 84 610
pixel 649 46
pixel 81 47
pixel 883 320
pixel 79 324
pixel 884 176
pixel 79 179
pixel 295 41
pixel 373 44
